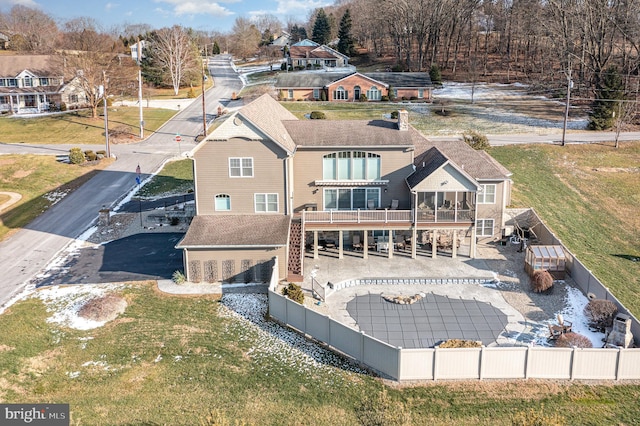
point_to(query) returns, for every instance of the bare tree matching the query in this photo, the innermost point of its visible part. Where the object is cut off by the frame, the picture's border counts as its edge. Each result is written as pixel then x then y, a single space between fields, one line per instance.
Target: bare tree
pixel 245 38
pixel 174 51
pixel 32 30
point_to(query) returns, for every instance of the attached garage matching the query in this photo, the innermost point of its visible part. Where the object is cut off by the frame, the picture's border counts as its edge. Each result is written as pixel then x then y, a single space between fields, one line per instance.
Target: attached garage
pixel 235 248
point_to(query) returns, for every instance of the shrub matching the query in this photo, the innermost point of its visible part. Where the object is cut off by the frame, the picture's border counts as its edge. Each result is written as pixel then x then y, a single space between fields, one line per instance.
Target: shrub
pixel 178 277
pixel 283 67
pixel 363 98
pixel 174 221
pixel 459 343
pixel 294 292
pixel 413 98
pixel 308 66
pixel 476 140
pixel 537 417
pixel 191 93
pixel 101 102
pixel 404 98
pixel 63 106
pixel 323 96
pixel 317 115
pixel 394 115
pixel 600 313
pixel 541 281
pixel 90 155
pixel 384 98
pixel 569 340
pixel 76 156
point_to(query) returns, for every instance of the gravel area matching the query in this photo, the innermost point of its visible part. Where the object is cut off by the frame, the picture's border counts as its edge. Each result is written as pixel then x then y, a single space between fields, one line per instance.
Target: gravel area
pixel 125 224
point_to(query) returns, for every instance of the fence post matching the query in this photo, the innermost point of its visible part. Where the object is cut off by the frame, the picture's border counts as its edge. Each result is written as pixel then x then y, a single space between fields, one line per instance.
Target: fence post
pixel 618 363
pixel 399 361
pixel 481 372
pixel 435 363
pixel 572 363
pixel 527 362
pixel 362 334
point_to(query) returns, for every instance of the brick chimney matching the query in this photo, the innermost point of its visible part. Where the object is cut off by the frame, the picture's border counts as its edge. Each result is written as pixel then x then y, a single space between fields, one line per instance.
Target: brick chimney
pixel 403 120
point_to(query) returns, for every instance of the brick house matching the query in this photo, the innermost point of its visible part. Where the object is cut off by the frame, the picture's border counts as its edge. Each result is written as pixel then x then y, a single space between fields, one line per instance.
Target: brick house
pixel 307 54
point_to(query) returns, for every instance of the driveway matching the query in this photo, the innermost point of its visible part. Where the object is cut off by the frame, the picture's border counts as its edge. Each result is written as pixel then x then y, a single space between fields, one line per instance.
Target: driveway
pixel 137 257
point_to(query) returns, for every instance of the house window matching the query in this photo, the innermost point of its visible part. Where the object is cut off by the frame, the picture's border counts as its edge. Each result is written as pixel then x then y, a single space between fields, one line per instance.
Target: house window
pixel 395 93
pixel 316 93
pixel 373 94
pixel 351 165
pixel 484 227
pixel 3 82
pixel 420 93
pixel 266 203
pixel 290 94
pixel 4 100
pixel 223 202
pixel 73 99
pixel 340 94
pixel 27 81
pixel 241 167
pixel 351 198
pixel 487 194
pixel 12 82
pixel 44 82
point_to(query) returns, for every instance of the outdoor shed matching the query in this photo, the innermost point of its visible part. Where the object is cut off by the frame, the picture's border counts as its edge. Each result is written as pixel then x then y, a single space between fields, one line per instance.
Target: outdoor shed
pixel 550 258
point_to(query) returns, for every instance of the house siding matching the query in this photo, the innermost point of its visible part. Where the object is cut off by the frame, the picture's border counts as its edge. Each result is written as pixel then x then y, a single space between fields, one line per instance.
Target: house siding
pixel 244 263
pixel 413 93
pixel 496 210
pixel 212 175
pixel 303 94
pixel 395 166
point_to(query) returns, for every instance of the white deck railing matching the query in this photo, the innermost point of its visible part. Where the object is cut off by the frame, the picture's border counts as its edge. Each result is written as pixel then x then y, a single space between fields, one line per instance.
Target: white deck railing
pixel 386 216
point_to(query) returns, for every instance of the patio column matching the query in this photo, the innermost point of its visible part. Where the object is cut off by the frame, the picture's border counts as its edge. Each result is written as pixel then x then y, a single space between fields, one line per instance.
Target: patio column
pixel 340 244
pixel 365 247
pixel 454 248
pixel 390 251
pixel 414 242
pixel 472 248
pixel 315 244
pixel 434 244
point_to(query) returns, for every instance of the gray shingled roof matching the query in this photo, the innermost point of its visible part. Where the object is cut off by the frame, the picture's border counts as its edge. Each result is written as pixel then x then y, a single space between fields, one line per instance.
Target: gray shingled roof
pixel 348 133
pixel 310 79
pixel 40 65
pixel 402 79
pixel 477 164
pixel 249 230
pixel 433 160
pixel 267 114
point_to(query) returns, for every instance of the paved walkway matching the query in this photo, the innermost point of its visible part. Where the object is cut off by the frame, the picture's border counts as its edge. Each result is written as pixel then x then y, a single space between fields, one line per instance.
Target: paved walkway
pixel 14 197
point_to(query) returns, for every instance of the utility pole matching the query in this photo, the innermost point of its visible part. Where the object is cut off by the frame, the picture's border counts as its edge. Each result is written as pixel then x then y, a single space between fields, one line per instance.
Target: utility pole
pixel 566 109
pixel 106 116
pixel 140 88
pixel 204 110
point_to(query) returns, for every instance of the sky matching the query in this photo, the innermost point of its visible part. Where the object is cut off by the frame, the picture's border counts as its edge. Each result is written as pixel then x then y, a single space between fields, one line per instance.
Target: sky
pixel 207 15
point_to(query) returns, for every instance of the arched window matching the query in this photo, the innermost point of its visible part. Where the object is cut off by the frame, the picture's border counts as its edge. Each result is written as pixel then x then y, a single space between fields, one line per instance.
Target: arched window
pixel 340 94
pixel 351 165
pixel 223 202
pixel 356 93
pixel 373 94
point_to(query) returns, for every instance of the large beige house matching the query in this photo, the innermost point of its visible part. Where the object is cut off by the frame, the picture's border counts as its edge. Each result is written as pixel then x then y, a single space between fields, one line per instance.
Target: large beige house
pixel 269 185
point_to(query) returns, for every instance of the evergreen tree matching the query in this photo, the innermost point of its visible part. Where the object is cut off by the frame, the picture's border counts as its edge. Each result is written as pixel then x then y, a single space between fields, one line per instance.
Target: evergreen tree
pixel 609 92
pixel 321 28
pixel 434 74
pixel 298 33
pixel 215 49
pixel 345 44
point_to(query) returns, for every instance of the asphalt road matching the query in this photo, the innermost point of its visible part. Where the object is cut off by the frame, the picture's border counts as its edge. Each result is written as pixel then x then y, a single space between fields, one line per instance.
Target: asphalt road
pixel 29 250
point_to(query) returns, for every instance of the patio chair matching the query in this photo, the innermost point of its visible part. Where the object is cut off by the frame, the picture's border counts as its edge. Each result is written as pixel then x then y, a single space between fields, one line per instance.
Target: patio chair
pixel 555 331
pixel 394 205
pixel 371 204
pixel 356 243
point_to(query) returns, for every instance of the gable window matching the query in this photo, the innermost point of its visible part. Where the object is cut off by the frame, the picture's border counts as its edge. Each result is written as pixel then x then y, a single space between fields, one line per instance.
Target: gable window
pixel 351 165
pixel 484 227
pixel 266 203
pixel 487 195
pixel 340 94
pixel 373 94
pixel 27 81
pixel 316 93
pixel 223 202
pixel 351 198
pixel 241 167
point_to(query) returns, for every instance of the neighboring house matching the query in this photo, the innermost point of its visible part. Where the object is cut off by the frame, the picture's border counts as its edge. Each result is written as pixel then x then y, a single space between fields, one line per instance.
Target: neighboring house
pixel 142 44
pixel 351 86
pixel 4 41
pixel 282 40
pixel 307 54
pixel 268 185
pixel 29 85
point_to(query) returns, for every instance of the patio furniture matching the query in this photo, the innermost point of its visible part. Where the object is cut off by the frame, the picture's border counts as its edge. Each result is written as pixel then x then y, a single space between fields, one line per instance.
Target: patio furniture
pixel 371 204
pixel 394 204
pixel 356 243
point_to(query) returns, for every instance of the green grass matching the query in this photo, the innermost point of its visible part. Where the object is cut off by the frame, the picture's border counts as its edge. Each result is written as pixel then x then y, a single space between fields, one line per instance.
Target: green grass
pixel 588 195
pixel 33 176
pixel 175 177
pixel 78 127
pixel 213 364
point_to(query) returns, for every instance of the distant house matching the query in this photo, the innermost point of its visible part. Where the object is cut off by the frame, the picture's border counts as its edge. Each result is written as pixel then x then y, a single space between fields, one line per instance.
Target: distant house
pixel 307 54
pixel 282 40
pixel 352 86
pixel 268 185
pixel 29 85
pixel 4 41
pixel 134 50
